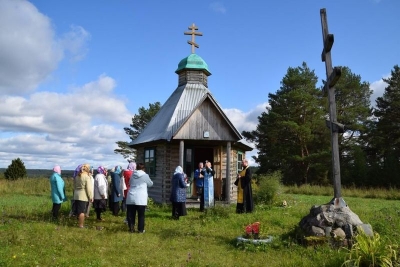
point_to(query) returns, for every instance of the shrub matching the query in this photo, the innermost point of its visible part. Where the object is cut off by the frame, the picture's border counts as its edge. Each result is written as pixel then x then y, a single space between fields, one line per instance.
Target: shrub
pixel 15 170
pixel 372 251
pixel 268 187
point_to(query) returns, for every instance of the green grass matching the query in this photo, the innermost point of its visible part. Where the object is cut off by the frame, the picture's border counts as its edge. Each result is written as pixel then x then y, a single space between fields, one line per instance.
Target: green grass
pixel 28 236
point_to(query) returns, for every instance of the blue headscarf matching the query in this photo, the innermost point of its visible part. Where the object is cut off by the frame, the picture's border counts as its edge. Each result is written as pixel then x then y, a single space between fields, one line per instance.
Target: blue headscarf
pixel 118 169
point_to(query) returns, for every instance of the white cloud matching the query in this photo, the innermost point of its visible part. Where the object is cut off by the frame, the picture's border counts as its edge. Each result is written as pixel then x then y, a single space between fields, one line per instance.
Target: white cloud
pixel 378 88
pixel 64 128
pixel 75 43
pixel 246 121
pixel 218 7
pixel 28 50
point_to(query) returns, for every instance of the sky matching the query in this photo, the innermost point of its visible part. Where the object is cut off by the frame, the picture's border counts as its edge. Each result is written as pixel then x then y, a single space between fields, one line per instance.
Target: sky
pixel 73 73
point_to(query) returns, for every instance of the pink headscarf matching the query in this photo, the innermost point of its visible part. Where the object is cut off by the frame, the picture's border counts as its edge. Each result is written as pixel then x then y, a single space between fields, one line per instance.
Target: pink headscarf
pixel 132 166
pixel 57 169
pixel 77 170
pixel 101 170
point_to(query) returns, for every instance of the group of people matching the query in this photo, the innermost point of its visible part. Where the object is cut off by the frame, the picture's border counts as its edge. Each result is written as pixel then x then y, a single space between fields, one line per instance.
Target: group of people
pixel 126 190
pixel 204 171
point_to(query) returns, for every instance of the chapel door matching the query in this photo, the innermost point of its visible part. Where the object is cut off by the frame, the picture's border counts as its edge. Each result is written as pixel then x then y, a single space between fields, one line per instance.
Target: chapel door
pixel 201 154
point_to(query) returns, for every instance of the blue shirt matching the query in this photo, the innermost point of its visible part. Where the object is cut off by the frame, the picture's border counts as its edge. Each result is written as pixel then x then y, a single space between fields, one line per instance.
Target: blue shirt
pixel 199 181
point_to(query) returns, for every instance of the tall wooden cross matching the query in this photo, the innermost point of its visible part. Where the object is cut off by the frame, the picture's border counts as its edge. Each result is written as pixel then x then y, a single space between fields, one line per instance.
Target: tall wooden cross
pixel 193 33
pixel 333 75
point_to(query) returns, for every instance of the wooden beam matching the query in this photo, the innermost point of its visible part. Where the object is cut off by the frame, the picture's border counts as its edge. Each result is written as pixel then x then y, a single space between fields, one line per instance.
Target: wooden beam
pixel 181 152
pixel 192 43
pixel 328 43
pixel 334 77
pixel 228 180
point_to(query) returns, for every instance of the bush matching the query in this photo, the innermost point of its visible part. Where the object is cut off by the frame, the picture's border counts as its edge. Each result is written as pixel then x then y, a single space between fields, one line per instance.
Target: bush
pixel 15 170
pixel 372 251
pixel 267 189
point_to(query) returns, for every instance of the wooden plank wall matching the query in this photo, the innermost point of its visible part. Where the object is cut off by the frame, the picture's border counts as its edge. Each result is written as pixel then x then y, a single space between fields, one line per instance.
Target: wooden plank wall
pixel 192 76
pixel 206 118
pixel 171 161
pixel 167 159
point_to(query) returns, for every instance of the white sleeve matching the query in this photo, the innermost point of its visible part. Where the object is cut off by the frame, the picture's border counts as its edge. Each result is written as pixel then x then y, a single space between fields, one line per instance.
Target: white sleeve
pixel 102 185
pixel 149 182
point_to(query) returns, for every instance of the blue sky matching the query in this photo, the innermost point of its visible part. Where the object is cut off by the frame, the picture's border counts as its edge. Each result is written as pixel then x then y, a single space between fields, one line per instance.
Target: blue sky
pixel 73 73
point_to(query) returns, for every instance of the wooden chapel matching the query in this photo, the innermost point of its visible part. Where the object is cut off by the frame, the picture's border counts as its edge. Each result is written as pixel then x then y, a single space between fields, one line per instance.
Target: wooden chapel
pixel 191 127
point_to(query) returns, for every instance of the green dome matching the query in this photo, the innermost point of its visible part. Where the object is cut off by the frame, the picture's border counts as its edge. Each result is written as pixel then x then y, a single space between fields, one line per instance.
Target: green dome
pixel 194 62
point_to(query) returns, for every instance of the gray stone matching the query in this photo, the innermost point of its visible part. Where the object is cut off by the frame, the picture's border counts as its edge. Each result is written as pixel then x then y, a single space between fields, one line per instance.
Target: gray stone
pixel 329 215
pixel 317 231
pixel 338 233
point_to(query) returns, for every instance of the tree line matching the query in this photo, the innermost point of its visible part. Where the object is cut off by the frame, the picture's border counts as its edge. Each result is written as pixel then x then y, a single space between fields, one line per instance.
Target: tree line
pixel 292 136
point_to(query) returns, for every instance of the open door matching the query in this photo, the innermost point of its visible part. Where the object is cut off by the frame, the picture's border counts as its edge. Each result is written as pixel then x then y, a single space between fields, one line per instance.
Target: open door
pixel 201 154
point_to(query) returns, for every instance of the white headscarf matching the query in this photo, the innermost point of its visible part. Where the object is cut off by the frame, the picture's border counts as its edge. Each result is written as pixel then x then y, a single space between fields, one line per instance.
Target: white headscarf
pixel 178 170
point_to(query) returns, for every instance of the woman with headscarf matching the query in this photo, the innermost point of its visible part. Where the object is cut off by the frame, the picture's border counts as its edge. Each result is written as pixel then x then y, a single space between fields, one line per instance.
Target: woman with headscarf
pixel 117 193
pixel 83 193
pixel 76 173
pixel 100 192
pixel 57 191
pixel 89 206
pixel 127 176
pixel 136 199
pixel 178 193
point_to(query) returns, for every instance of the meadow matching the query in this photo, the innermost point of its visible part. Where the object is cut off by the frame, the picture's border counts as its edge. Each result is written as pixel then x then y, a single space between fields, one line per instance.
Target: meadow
pixel 29 236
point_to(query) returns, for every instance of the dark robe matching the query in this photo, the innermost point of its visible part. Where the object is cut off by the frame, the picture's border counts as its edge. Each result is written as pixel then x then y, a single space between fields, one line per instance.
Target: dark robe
pixel 245 181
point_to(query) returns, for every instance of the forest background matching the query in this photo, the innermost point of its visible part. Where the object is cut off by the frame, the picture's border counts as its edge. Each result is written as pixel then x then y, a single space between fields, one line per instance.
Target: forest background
pixel 292 136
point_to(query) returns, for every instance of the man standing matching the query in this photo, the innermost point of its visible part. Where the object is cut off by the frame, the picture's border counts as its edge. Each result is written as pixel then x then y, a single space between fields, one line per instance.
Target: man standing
pixel 208 190
pixel 244 193
pixel 199 178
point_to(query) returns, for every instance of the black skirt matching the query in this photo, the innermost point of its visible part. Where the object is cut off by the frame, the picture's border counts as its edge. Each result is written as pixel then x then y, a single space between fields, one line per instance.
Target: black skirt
pixel 178 209
pixel 100 204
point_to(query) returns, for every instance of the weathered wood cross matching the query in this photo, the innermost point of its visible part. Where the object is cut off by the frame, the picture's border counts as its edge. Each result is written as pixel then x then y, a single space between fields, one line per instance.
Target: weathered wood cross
pixel 333 75
pixel 193 33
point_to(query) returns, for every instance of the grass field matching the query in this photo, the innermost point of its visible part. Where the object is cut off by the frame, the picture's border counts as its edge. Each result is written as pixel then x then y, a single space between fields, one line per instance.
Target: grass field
pixel 29 237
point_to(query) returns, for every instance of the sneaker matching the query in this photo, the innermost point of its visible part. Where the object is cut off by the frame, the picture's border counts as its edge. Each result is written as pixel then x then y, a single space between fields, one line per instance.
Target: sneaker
pixel 142 232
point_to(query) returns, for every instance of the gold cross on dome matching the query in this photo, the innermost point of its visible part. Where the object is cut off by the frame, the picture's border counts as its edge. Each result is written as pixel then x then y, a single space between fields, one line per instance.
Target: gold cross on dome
pixel 193 32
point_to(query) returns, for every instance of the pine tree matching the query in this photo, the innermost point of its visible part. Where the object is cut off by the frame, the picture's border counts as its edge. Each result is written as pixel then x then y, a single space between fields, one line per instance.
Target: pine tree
pixel 139 122
pixel 15 170
pixel 291 135
pixel 384 137
pixel 353 110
